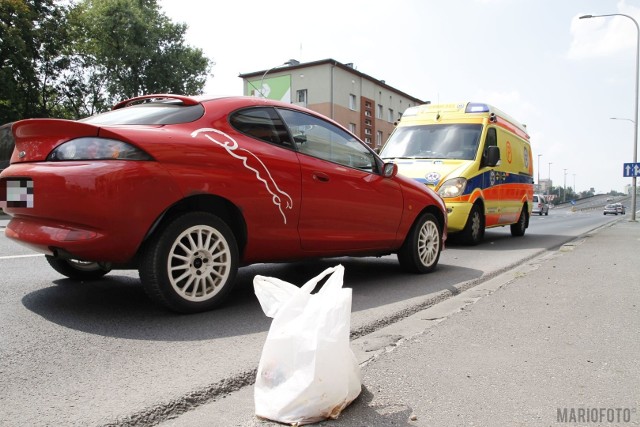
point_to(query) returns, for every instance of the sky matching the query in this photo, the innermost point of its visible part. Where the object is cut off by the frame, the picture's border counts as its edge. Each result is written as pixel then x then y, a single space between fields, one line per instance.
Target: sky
pixel 564 77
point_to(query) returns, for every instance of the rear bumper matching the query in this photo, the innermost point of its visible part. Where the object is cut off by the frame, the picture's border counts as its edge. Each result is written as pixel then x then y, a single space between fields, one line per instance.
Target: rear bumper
pixel 93 211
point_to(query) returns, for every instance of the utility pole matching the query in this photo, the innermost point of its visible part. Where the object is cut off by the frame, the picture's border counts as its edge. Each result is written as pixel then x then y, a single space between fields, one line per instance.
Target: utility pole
pixel 564 190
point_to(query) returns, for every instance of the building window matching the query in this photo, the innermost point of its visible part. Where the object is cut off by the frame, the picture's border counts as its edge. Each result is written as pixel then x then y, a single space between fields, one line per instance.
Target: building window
pixel 301 97
pixel 379 114
pixel 352 101
pixel 367 131
pixel 367 113
pixel 379 138
pixel 367 140
pixel 367 122
pixel 390 118
pixel 352 127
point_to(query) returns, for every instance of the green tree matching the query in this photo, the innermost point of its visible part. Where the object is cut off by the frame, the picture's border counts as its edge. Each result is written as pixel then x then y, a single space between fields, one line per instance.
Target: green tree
pixel 32 36
pixel 75 59
pixel 128 48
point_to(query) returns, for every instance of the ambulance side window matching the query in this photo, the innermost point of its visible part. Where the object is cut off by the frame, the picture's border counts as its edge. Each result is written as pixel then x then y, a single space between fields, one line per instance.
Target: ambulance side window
pixel 491 140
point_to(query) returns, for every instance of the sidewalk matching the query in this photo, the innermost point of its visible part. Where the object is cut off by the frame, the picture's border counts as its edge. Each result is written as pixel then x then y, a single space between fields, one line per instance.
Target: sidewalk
pixel 555 342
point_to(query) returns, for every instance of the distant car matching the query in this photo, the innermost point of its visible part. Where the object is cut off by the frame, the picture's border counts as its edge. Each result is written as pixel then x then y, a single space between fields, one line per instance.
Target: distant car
pixel 540 205
pixel 620 208
pixel 610 209
pixel 188 189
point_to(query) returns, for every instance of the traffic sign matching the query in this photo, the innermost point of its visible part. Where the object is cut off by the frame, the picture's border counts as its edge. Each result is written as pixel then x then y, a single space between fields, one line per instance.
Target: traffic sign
pixel 631 170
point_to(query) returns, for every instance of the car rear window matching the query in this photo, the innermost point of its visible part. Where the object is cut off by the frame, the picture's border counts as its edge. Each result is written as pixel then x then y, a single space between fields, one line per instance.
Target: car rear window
pixel 262 123
pixel 149 114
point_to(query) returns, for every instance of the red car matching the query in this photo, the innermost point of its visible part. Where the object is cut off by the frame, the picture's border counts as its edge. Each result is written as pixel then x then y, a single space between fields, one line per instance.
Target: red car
pixel 188 189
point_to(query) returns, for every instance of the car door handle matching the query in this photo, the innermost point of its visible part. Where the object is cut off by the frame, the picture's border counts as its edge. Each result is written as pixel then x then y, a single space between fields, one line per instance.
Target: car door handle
pixel 320 176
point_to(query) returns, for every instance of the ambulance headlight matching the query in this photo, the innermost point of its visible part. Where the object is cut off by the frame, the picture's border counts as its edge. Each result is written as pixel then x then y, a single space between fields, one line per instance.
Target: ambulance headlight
pixel 452 187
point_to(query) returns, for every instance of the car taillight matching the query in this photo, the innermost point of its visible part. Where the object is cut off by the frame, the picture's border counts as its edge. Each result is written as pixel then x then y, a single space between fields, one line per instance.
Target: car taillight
pixel 96 149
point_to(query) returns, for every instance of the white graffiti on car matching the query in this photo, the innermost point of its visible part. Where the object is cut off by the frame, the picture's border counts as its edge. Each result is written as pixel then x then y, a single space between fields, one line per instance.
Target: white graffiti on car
pixel 280 198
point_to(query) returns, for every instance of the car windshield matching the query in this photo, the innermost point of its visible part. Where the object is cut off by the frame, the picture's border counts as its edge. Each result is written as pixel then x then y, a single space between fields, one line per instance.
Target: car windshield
pixel 446 141
pixel 148 114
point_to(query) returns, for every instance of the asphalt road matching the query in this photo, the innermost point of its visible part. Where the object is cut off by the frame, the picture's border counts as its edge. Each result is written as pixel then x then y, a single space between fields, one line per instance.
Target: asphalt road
pixel 101 353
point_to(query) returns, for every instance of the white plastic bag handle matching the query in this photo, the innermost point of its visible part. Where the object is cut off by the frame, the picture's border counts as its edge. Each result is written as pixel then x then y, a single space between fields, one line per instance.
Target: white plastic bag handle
pixel 273 293
pixel 334 282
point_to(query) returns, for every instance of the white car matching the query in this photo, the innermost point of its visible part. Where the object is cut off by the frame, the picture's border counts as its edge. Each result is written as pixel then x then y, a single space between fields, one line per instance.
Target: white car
pixel 540 205
pixel 610 209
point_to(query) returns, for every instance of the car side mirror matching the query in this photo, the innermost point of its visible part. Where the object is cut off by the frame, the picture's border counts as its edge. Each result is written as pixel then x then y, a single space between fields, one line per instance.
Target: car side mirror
pixel 491 156
pixel 300 139
pixel 389 170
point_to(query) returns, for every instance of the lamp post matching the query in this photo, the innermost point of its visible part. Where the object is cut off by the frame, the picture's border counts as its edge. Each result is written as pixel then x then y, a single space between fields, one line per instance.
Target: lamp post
pixel 635 116
pixel 267 72
pixel 564 187
pixel 549 192
pixel 620 118
pixel 539 155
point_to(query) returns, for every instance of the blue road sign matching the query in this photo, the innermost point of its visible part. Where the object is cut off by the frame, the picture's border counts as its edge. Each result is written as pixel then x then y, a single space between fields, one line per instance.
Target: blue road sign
pixel 631 170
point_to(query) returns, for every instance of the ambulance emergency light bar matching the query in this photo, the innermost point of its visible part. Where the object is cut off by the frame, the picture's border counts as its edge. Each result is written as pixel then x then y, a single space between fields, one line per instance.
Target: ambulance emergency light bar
pixel 472 107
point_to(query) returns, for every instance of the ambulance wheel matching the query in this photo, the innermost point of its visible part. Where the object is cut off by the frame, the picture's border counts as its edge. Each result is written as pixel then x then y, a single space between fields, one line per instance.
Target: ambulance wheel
pixel 519 227
pixel 473 231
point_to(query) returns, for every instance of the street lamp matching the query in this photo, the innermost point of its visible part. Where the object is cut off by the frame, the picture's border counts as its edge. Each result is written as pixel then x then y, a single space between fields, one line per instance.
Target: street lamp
pixel 635 117
pixel 261 90
pixel 564 187
pixel 539 155
pixel 620 118
pixel 549 192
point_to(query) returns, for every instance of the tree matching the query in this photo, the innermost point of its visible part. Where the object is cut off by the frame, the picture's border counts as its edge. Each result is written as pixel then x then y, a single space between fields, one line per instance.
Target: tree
pixel 75 59
pixel 32 36
pixel 127 48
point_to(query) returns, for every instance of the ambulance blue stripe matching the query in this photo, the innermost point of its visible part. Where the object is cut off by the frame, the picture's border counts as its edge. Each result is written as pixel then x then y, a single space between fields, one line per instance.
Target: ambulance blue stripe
pixel 483 181
pixel 479 181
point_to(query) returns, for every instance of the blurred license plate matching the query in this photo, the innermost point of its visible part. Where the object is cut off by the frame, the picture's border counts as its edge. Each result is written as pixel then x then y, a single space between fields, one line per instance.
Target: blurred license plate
pixel 18 193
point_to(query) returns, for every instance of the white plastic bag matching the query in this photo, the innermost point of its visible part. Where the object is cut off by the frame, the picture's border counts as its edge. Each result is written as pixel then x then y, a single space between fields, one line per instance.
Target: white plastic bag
pixel 307 371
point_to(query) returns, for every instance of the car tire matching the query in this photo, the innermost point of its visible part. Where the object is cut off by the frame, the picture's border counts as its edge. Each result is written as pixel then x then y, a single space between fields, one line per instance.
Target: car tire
pixel 518 229
pixel 77 270
pixel 421 249
pixel 190 265
pixel 473 231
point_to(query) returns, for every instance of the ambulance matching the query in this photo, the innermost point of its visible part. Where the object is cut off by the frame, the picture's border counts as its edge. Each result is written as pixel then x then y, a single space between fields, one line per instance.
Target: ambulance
pixel 476 157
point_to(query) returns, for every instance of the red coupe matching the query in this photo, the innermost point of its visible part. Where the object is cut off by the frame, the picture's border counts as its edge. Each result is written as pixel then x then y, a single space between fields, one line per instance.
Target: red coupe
pixel 188 189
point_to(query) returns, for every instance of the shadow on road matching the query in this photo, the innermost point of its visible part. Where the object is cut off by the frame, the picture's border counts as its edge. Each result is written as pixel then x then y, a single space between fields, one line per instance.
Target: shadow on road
pixel 117 306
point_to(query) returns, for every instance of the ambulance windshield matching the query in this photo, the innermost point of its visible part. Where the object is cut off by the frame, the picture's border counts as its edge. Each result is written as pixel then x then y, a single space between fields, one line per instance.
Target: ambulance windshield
pixel 446 141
